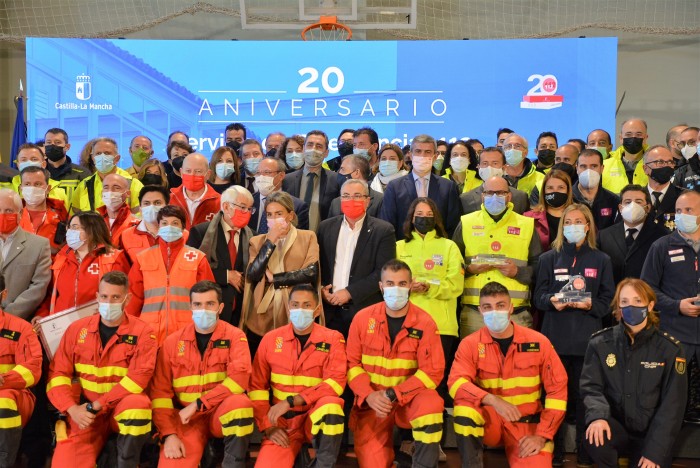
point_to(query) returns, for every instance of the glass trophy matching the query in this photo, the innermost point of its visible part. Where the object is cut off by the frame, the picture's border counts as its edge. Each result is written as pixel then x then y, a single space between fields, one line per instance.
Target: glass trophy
pixel 489 259
pixel 573 291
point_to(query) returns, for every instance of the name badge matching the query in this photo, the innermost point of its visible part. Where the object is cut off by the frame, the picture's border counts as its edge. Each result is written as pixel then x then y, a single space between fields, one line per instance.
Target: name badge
pixel 222 344
pixel 679 258
pixel 415 333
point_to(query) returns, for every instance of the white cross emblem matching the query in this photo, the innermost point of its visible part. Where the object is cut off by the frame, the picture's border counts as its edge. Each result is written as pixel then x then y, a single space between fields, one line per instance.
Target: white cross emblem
pixel 191 256
pixel 94 269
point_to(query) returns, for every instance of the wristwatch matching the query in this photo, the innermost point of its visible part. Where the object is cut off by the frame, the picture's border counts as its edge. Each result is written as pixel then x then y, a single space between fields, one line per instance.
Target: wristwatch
pixel 290 401
pixel 90 409
pixel 391 394
pixel 200 405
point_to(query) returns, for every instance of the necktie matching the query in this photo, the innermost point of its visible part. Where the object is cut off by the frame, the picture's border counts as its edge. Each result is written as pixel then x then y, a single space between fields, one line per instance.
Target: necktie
pixel 422 192
pixel 262 225
pixel 629 238
pixel 657 199
pixel 249 185
pixel 233 253
pixel 309 195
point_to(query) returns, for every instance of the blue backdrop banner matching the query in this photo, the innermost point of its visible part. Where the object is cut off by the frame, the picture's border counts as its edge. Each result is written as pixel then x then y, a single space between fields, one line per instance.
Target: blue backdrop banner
pixel 448 89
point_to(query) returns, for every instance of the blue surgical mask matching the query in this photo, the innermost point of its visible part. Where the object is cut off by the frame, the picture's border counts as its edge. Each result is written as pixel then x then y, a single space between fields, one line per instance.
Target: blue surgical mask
pixel 514 157
pixel 224 170
pixel 73 239
pixel 496 320
pixel 301 318
pixel 204 319
pixel 295 160
pixel 495 204
pixel 110 311
pixel 575 233
pixel 687 224
pixel 25 164
pixel 388 167
pixel 150 213
pixel 104 163
pixel 395 297
pixel 170 233
pixel 251 165
pixel 633 315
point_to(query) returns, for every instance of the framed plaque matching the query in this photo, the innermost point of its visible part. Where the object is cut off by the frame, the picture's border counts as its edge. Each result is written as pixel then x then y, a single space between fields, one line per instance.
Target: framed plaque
pixel 52 328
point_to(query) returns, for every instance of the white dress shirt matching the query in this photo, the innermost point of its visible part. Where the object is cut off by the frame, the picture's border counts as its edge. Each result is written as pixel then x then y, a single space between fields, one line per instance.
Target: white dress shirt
pixel 344 252
pixel 193 204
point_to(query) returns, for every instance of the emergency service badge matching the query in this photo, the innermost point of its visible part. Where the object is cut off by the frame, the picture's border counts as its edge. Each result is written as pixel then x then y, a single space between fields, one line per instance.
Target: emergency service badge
pixel 278 344
pixel 611 360
pixel 481 347
pixel 180 348
pixel 680 365
pixel 371 324
pixel 323 347
pixel 10 334
pixel 82 335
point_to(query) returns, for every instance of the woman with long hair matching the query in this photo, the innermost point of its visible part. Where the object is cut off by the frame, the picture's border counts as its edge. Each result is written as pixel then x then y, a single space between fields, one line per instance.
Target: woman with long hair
pixel 391 166
pixel 224 169
pixel 557 195
pixel 460 166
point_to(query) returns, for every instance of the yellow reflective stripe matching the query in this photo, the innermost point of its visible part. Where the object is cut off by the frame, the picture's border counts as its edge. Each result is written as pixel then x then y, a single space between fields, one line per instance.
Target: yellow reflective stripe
pixel 423 377
pixel 354 372
pixel 469 412
pixel 237 430
pixel 8 403
pixel 11 421
pixel 57 381
pixel 162 403
pixel 387 381
pixel 96 387
pixel 318 425
pixel 507 384
pixel 522 399
pixel 548 447
pixel 130 385
pixel 467 431
pixel 280 395
pixel 428 419
pixel 427 438
pixel 330 408
pixel 551 403
pixel 232 386
pixel 335 386
pixel 188 397
pixel 107 371
pixel 134 415
pixel 194 380
pixel 381 361
pixel 328 429
pixel 26 374
pixel 6 368
pixel 259 395
pixel 455 386
pixel 293 380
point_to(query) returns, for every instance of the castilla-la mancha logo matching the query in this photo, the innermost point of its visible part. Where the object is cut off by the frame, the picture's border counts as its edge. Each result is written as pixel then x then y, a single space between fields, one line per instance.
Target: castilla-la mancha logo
pixel 83 87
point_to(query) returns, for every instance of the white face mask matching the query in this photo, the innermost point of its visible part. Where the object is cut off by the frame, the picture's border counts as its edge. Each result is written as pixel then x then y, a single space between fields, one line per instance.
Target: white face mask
pixel 150 213
pixel 633 213
pixel 422 164
pixel 111 311
pixel 589 179
pixel 113 200
pixel 689 151
pixel 265 184
pixel 272 222
pixel 459 163
pixel 33 195
pixel 487 172
pixel 301 318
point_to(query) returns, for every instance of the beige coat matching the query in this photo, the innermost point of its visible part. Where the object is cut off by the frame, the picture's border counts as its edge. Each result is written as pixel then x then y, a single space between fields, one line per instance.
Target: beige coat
pixel 264 307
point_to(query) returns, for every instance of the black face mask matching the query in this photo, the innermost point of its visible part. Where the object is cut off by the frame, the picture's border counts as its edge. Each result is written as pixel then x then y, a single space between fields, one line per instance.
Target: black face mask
pixel 271 152
pixel 556 199
pixel 342 178
pixel 662 174
pixel 54 152
pixel 424 224
pixel 177 162
pixel 234 145
pixel 152 179
pixel 345 149
pixel 568 168
pixel 545 157
pixel 633 145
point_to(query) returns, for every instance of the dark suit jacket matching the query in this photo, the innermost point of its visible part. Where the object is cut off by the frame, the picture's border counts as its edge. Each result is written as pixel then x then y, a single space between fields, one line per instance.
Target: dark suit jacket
pixel 229 314
pixel 471 201
pixel 375 205
pixel 667 205
pixel 400 193
pixel 300 208
pixel 376 245
pixel 328 189
pixel 629 263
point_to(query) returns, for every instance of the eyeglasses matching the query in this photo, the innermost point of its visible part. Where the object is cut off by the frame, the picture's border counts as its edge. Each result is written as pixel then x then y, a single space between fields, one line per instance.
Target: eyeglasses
pixel 245 209
pixel 353 197
pixel 661 163
pixel 682 144
pixel 500 193
pixel 517 146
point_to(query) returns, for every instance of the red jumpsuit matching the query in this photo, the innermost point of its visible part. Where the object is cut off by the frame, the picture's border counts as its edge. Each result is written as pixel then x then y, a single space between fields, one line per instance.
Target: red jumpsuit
pixel 20 368
pixel 219 379
pixel 124 220
pixel 530 366
pixel 47 222
pixel 413 366
pixel 115 375
pixel 317 374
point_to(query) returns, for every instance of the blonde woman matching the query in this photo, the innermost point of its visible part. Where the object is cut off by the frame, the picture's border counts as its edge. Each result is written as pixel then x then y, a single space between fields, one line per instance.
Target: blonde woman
pixel 152 172
pixel 557 195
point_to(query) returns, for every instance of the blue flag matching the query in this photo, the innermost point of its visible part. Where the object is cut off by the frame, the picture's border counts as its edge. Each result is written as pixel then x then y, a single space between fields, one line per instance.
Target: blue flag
pixel 19 136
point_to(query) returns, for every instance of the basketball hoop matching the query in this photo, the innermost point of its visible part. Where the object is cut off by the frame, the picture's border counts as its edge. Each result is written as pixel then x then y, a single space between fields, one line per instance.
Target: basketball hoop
pixel 327 29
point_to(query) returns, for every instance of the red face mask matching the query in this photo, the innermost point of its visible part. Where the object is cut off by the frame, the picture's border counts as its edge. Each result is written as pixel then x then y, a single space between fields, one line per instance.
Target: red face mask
pixel 8 222
pixel 193 183
pixel 353 209
pixel 240 219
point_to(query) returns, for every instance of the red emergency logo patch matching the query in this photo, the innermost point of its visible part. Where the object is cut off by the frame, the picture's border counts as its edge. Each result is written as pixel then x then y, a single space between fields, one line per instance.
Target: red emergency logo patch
pixel 514 230
pixel 94 269
pixel 429 264
pixel 191 256
pixel 495 246
pixel 590 272
pixel 606 211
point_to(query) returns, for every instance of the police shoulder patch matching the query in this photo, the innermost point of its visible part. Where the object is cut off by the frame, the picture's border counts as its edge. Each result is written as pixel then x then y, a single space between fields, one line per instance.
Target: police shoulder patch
pixel 129 339
pixel 415 333
pixel 10 334
pixel 222 344
pixel 671 339
pixel 680 365
pixel 602 331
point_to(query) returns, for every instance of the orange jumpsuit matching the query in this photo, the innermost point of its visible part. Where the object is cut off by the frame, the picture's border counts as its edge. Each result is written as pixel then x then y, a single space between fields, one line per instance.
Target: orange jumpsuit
pixel 413 366
pixel 114 374
pixel 55 213
pixel 124 220
pixel 219 379
pixel 20 368
pixel 317 374
pixel 160 280
pixel 479 369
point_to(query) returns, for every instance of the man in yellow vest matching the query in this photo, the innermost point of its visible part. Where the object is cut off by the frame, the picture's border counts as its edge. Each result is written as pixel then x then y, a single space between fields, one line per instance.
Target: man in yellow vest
pixel 520 172
pixel 498 245
pixel 623 166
